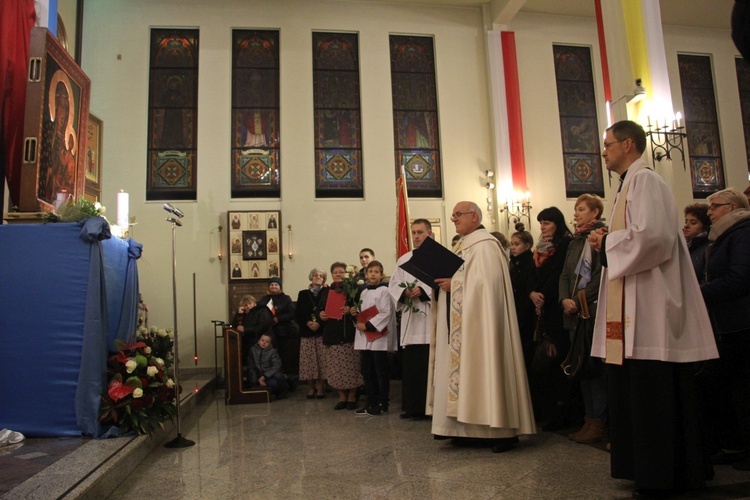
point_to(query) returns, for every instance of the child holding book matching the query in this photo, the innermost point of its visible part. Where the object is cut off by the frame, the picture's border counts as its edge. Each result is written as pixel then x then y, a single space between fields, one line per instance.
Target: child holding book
pixel 376 327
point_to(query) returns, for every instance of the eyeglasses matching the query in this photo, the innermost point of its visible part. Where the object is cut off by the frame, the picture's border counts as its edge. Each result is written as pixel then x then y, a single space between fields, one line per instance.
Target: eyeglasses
pixel 455 216
pixel 608 144
pixel 714 206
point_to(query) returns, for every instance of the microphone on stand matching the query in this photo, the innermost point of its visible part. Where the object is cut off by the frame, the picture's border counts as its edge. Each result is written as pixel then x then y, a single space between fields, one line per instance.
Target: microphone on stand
pixel 173 210
pixel 174 221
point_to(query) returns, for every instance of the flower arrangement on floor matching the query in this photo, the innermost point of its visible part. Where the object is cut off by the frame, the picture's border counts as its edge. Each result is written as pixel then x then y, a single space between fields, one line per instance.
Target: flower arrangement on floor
pixel 140 393
pixel 75 210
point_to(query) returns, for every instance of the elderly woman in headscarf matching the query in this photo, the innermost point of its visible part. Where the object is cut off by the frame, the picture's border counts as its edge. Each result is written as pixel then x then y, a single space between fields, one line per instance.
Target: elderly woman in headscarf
pixel 311 349
pixel 284 331
pixel 726 291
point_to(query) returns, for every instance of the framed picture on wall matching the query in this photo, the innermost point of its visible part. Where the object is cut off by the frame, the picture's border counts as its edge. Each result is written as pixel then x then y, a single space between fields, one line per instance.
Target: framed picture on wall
pixel 55 125
pixel 254 243
pixel 94 155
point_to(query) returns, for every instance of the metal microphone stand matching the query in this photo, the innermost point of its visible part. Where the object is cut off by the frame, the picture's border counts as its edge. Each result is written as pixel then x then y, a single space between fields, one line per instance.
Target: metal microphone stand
pixel 179 441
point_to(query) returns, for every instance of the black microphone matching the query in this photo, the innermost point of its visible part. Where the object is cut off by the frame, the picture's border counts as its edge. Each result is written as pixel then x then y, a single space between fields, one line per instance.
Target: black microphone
pixel 173 210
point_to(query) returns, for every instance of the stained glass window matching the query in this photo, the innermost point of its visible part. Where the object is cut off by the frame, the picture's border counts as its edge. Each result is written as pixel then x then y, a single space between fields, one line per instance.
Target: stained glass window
pixel 338 127
pixel 173 115
pixel 579 125
pixel 743 82
pixel 255 114
pixel 415 114
pixel 701 124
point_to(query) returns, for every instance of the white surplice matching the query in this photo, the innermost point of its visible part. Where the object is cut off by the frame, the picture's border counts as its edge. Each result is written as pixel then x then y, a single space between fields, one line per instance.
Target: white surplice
pixel 385 319
pixel 415 326
pixel 664 316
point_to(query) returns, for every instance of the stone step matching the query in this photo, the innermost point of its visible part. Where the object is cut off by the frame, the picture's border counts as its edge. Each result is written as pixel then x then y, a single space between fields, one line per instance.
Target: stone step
pixel 96 468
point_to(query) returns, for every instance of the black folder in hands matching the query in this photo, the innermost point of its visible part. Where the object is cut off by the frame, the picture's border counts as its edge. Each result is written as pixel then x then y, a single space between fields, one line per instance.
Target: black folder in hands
pixel 432 261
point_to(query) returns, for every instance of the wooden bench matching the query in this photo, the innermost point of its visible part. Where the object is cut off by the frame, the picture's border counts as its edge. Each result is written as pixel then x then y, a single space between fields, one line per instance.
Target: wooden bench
pixel 235 393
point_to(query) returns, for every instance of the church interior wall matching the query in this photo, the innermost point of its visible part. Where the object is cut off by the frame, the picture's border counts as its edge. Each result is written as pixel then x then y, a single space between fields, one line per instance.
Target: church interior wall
pixel 116 55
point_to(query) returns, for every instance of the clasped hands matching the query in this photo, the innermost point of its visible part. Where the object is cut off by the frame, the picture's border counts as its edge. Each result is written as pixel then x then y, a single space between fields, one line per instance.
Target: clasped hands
pixel 595 238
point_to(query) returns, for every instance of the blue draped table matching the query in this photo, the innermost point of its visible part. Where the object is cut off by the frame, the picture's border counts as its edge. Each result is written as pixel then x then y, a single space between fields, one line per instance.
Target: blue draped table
pixel 67 291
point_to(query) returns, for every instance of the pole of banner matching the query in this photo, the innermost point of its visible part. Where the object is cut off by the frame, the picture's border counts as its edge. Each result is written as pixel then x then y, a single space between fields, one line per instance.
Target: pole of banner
pixel 176 214
pixel 406 209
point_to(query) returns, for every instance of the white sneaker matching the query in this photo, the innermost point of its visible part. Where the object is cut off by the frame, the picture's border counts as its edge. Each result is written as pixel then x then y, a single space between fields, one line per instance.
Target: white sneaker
pixel 8 436
pixel 5 436
pixel 16 437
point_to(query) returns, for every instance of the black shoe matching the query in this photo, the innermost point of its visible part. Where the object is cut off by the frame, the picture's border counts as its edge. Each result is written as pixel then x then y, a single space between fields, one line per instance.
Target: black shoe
pixel 377 410
pixel 652 493
pixel 340 405
pixel 504 444
pixel 406 415
pixel 742 465
pixel 351 405
pixel 728 457
pixel 362 412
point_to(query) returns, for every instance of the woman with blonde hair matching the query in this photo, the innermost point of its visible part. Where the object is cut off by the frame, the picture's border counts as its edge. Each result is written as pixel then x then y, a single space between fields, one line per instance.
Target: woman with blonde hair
pixel 581 271
pixel 726 291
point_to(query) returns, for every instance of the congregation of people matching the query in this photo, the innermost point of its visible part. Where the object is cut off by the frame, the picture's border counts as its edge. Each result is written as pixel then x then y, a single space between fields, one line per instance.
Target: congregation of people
pixel 626 331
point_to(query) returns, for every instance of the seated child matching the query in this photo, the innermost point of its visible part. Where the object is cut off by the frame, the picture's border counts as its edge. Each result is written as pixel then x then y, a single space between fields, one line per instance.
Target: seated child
pixel 265 367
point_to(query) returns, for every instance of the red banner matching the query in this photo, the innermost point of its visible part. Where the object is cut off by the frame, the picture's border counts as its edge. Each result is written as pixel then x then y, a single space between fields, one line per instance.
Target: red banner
pixel 403 241
pixel 16 20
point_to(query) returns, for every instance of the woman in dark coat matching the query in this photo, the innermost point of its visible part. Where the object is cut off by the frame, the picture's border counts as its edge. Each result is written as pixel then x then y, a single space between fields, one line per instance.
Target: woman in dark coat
pixel 549 258
pixel 311 350
pixel 342 361
pixel 726 291
pixel 283 331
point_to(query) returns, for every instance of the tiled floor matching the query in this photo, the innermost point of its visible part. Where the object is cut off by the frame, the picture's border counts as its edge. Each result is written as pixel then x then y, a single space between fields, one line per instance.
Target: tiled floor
pixel 299 448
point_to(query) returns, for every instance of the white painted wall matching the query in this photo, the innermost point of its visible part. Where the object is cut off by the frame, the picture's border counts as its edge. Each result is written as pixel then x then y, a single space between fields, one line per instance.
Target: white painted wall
pixel 329 230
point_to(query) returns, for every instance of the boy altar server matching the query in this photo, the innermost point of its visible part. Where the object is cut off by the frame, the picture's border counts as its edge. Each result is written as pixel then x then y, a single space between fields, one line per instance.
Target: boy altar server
pixel 375 337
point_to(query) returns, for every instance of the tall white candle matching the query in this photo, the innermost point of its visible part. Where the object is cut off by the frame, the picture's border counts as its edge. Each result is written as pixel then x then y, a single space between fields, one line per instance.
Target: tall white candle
pixel 123 217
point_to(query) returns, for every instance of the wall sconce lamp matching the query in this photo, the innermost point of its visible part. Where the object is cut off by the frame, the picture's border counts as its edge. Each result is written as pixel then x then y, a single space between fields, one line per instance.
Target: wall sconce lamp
pixel 667 138
pixel 290 254
pixel 518 208
pixel 218 252
pixel 489 185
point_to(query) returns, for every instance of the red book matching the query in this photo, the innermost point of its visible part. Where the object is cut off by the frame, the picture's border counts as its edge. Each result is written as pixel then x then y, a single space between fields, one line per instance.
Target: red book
pixel 334 304
pixel 366 316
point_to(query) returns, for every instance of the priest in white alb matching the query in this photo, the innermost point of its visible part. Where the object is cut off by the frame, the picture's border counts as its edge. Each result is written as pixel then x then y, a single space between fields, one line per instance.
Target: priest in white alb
pixel 478 392
pixel 651 328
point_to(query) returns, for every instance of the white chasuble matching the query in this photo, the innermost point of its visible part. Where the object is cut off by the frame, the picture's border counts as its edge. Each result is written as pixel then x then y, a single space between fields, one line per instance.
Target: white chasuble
pixel 477 381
